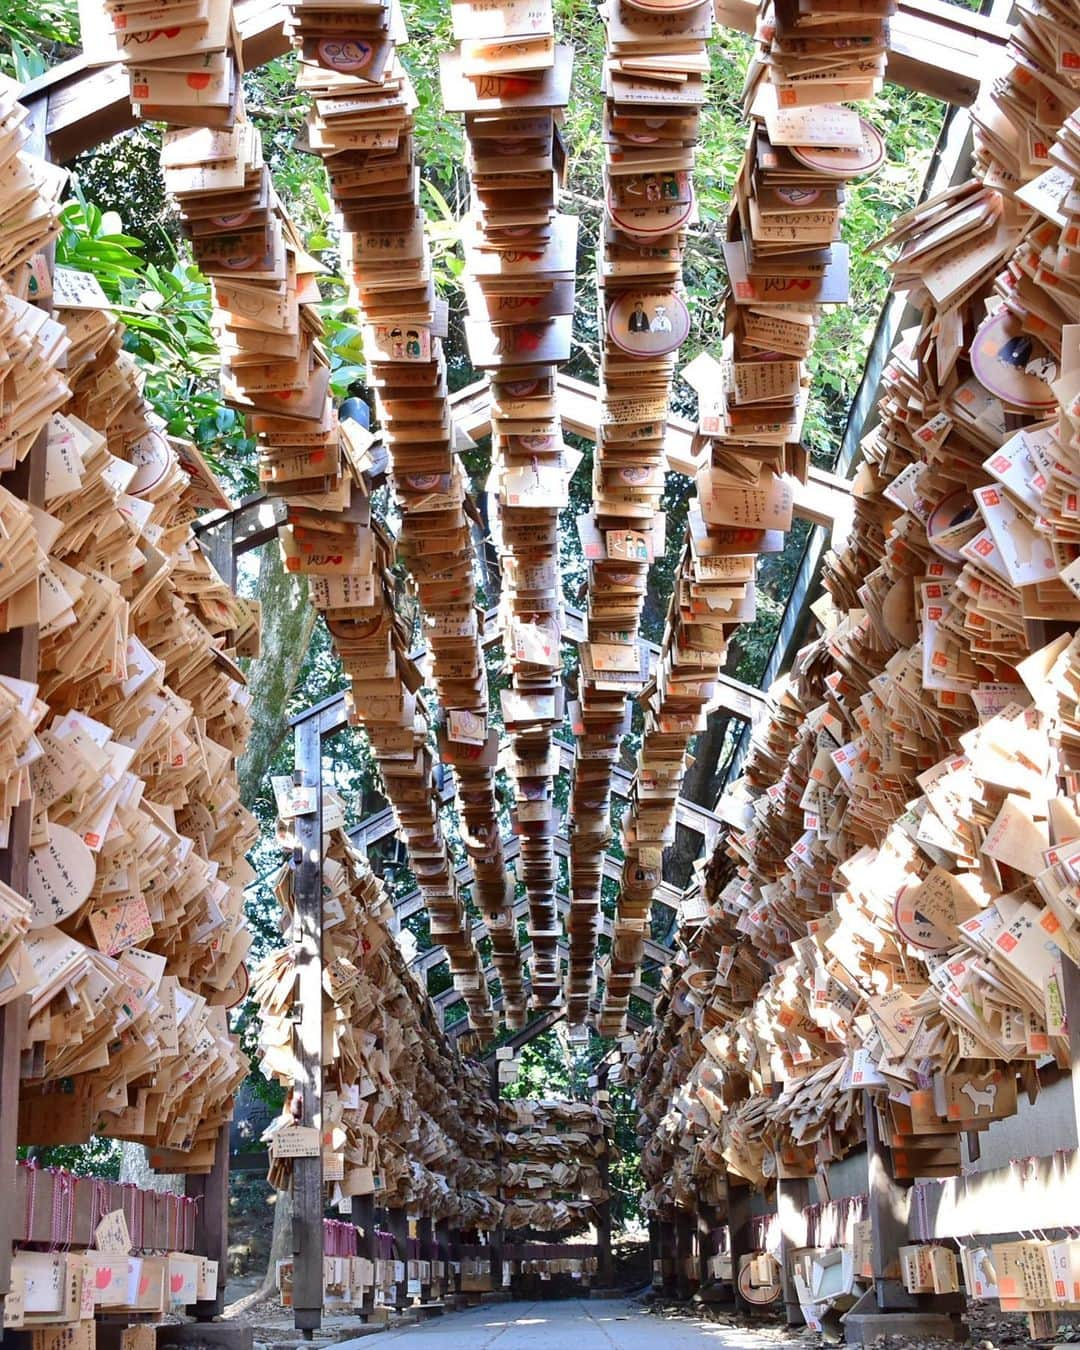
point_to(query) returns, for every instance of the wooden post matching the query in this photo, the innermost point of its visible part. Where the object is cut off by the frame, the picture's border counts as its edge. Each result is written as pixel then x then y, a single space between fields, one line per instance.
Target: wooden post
pixel 792 1197
pixel 211 1191
pixel 307 1183
pixel 667 1257
pixel 497 1237
pixel 605 1269
pixel 423 1234
pixel 656 1253
pixel 685 1224
pixel 398 1223
pixel 888 1219
pixel 706 1223
pixel 442 1253
pixel 453 1253
pixel 363 1217
pixel 1071 974
pixel 19 658
pixel 738 1218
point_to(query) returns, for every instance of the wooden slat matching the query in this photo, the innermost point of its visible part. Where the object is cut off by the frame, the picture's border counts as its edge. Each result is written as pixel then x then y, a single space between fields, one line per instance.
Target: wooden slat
pixel 155 1210
pixel 1031 1193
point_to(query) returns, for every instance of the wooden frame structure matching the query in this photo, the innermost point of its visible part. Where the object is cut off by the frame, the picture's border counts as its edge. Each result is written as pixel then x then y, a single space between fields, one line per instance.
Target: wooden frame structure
pixel 1029 1194
pixel 207 1193
pixel 935 48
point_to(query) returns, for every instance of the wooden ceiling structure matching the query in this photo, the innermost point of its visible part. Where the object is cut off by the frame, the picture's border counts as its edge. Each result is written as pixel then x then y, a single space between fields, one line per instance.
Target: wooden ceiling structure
pixel 936 48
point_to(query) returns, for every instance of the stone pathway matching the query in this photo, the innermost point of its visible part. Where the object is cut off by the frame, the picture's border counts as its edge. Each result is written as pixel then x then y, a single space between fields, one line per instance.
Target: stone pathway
pixel 577 1324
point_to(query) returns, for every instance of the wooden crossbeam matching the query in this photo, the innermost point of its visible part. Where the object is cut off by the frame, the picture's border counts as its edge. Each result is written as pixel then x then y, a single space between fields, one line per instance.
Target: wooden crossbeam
pixel 935 48
pixel 824 499
pixel 1030 1193
pixel 413 902
pixel 435 956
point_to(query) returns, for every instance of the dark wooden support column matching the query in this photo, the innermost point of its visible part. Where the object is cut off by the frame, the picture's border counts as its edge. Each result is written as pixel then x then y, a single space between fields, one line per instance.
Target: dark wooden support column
pixel 424 1234
pixel 211 1191
pixel 738 1217
pixel 655 1253
pixel 605 1267
pixel 442 1253
pixel 792 1197
pixel 667 1256
pixel 706 1241
pixel 685 1225
pixel 398 1223
pixel 363 1217
pixel 888 1219
pixel 19 658
pixel 307 1181
pixel 454 1255
pixel 1072 1012
pixel 497 1237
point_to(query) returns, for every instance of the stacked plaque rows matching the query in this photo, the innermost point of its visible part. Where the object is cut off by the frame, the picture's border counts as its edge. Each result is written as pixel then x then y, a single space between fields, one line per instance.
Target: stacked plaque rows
pixel 360 122
pixel 784 263
pixel 550 1180
pixel 277 373
pixel 511 81
pixel 896 914
pixel 120 745
pixel 655 61
pixel 403 1116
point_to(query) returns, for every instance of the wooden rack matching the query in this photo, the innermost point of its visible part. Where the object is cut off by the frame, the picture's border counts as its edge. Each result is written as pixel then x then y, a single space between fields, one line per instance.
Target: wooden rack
pixel 1036 1193
pixel 208 1193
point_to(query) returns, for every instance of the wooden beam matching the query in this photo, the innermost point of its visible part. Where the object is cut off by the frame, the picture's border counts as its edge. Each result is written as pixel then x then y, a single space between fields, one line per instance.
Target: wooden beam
pixel 548 1018
pixel 1030 1193
pixel 934 48
pixel 435 956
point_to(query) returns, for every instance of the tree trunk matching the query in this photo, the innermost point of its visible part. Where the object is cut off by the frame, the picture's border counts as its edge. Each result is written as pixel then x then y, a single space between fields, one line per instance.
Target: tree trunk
pixel 281 1239
pixel 288 620
pixel 702 786
pixel 135 1166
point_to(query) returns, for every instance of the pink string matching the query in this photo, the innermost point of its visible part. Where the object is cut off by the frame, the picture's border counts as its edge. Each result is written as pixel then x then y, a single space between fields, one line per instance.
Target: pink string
pixel 62 1217
pixel 31 1196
